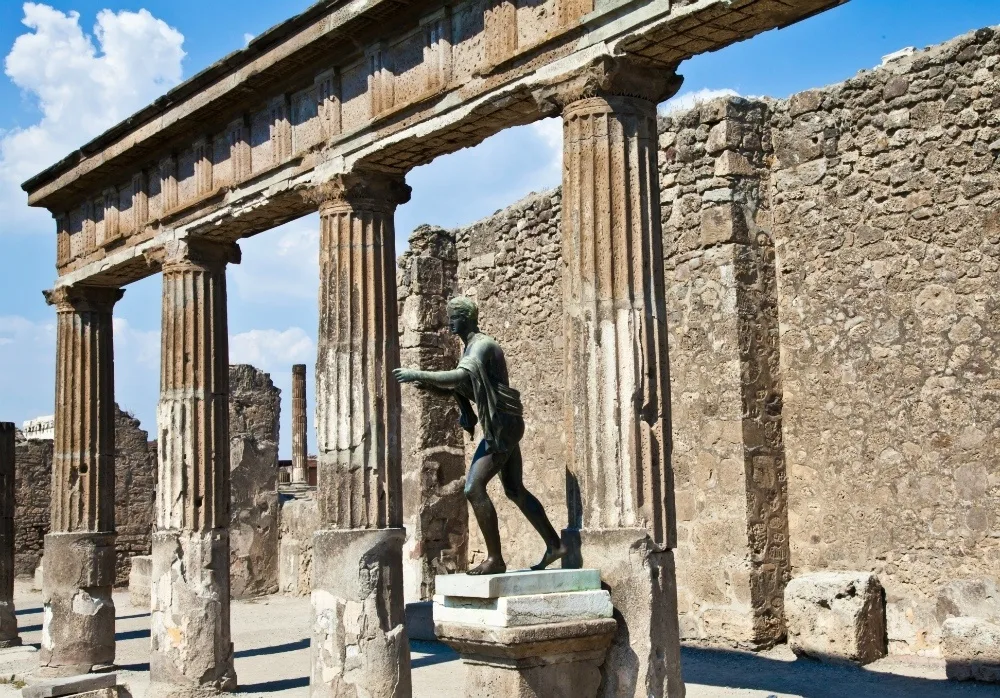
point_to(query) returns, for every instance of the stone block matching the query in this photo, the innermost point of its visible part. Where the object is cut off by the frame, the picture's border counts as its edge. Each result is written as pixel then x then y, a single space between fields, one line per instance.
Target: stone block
pixel 359 642
pixel 531 609
pixel 69 685
pixel 836 616
pixel 977 597
pixel 720 224
pixel 971 648
pixel 556 660
pixel 491 586
pixel 138 580
pixel 79 631
pixel 644 656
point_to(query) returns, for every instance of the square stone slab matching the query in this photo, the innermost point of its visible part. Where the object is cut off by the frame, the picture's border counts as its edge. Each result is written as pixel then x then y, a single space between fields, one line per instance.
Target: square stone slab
pixel 517 611
pixel 67 686
pixel 492 586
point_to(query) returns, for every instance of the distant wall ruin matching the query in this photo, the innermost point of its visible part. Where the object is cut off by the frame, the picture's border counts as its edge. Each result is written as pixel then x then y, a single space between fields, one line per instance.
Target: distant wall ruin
pixel 832 261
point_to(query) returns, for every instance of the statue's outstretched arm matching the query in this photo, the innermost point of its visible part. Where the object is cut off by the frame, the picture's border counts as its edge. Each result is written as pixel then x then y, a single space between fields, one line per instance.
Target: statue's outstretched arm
pixel 442 380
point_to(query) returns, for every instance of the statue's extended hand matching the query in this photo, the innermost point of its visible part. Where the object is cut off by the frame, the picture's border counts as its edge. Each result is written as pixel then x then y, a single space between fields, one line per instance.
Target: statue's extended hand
pixel 404 375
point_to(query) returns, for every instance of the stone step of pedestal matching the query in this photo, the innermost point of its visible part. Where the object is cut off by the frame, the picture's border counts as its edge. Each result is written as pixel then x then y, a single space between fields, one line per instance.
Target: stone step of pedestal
pixel 70 685
pixel 528 609
pixel 491 586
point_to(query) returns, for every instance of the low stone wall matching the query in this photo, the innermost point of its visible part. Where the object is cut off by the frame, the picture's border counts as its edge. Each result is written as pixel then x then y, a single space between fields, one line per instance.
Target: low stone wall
pixel 299 520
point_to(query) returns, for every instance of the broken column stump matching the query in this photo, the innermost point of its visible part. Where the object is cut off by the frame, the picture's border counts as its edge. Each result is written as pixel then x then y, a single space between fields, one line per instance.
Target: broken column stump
pixel 8 620
pixel 529 634
pixel 837 617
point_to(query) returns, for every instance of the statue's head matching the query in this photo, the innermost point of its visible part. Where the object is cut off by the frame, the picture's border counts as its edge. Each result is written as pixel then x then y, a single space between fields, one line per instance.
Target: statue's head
pixel 463 315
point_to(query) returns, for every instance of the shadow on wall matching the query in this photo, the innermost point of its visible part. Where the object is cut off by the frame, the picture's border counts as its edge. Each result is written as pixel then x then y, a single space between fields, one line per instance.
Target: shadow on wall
pixel 812 679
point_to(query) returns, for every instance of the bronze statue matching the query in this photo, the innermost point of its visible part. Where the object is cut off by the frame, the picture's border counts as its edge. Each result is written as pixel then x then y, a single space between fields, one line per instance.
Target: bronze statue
pixel 481 377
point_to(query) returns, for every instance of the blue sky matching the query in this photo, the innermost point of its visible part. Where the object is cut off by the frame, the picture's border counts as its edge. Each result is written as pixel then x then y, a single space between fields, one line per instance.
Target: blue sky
pixel 63 83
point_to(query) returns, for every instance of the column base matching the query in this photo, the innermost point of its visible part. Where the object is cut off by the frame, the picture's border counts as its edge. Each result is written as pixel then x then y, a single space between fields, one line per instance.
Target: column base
pixel 192 653
pixel 644 657
pixel 359 641
pixel 79 614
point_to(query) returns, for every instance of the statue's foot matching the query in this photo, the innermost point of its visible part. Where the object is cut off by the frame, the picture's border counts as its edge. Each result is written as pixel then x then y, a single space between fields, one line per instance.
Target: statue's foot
pixel 489 566
pixel 550 556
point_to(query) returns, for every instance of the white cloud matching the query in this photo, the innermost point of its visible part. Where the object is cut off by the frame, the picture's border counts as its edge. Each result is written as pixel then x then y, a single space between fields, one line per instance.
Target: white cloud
pixel 81 88
pixel 247 38
pixel 688 100
pixel 27 354
pixel 550 131
pixel 141 347
pixel 283 265
pixel 272 350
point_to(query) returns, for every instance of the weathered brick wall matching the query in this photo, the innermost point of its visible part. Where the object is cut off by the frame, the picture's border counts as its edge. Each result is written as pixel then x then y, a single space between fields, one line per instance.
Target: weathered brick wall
pixel 886 194
pixel 135 492
pixel 434 508
pixel 254 411
pixel 511 264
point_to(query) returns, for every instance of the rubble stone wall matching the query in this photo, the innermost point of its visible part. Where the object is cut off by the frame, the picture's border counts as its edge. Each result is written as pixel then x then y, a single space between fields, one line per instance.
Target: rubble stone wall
pixel 434 508
pixel 886 199
pixel 32 494
pixel 254 411
pixel 135 493
pixel 728 456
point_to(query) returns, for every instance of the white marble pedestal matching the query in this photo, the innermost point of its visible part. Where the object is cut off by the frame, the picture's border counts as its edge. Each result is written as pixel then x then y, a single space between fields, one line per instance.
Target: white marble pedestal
pixel 527 634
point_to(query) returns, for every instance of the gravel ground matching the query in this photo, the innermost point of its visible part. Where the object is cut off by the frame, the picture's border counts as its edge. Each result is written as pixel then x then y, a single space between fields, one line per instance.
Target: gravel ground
pixel 272 659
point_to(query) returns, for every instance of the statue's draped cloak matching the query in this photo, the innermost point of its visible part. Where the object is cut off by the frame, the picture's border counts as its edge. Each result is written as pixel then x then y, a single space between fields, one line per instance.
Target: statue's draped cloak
pixel 498 405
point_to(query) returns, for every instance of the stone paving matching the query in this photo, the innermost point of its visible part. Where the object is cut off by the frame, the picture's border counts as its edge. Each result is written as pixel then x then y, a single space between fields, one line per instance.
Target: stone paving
pixel 272 659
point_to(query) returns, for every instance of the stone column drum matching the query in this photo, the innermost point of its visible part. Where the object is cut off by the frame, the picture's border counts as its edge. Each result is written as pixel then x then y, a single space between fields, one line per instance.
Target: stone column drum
pixel 78 626
pixel 191 649
pixel 8 619
pixel 300 426
pixel 618 389
pixel 359 644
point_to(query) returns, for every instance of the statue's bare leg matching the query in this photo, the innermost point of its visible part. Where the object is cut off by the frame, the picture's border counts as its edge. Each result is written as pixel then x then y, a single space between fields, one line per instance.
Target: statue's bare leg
pixel 483 469
pixel 511 475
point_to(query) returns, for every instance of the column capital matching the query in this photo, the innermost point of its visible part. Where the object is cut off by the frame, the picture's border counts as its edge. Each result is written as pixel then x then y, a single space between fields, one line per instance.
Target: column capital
pixel 79 298
pixel 195 253
pixel 360 190
pixel 609 77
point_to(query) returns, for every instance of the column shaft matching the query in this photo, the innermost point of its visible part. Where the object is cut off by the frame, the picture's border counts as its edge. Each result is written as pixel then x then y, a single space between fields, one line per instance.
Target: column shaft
pixel 79 622
pixel 191 647
pixel 359 643
pixel 618 387
pixel 8 619
pixel 300 426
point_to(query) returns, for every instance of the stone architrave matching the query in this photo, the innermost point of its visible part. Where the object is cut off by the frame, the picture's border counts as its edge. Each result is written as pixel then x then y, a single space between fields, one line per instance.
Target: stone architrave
pixel 191 648
pixel 300 448
pixel 78 630
pixel 8 619
pixel 359 644
pixel 618 388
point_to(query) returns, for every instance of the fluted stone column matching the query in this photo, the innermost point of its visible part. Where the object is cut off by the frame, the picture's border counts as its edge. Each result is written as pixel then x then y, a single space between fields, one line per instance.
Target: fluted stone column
pixel 8 619
pixel 192 653
pixel 300 426
pixel 618 388
pixel 359 643
pixel 78 626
